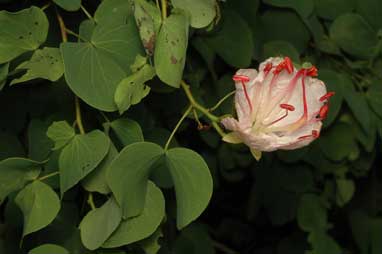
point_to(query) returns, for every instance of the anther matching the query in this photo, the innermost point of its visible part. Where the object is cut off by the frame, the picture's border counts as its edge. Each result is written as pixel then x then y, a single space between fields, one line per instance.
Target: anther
pixel 287 107
pixel 241 78
pixel 327 96
pixel 312 71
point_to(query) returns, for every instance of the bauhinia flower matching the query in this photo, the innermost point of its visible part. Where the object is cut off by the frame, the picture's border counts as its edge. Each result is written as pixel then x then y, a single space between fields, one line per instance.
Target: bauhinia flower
pixel 278 107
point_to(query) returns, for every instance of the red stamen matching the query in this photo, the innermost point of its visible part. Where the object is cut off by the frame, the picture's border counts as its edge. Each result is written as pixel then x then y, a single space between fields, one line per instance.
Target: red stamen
pixel 268 68
pixel 288 64
pixel 312 71
pixel 322 114
pixel 327 96
pixel 287 107
pixel 241 78
pixel 314 134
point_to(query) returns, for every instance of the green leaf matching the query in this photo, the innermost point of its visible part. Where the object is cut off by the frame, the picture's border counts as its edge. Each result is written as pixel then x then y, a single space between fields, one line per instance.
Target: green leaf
pixel 354 35
pixel 45 63
pixel 357 103
pixel 21 31
pixel 333 83
pixel 148 19
pixel 109 216
pixel 132 90
pixel 80 157
pixel 96 180
pixel 40 205
pixel 338 142
pixel 113 11
pixel 280 48
pixel 4 68
pixel 170 49
pixel 374 95
pixel 15 173
pixel 69 5
pixel 311 214
pixel 142 226
pixel 323 244
pixel 302 7
pixel 121 42
pixel 91 74
pixel 86 29
pixel 273 25
pixel 49 249
pixel 345 191
pixel 193 184
pixel 38 143
pixel 151 244
pixel 331 9
pixel 370 10
pixel 127 131
pixel 202 12
pixel 224 40
pixel 128 174
pixel 61 133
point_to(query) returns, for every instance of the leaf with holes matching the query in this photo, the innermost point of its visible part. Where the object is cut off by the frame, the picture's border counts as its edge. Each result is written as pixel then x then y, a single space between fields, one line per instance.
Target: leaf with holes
pixel 170 49
pixel 40 205
pixel 80 157
pixel 21 31
pixel 45 63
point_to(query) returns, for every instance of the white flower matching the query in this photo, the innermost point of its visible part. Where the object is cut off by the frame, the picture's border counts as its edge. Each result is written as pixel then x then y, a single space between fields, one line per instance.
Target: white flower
pixel 279 107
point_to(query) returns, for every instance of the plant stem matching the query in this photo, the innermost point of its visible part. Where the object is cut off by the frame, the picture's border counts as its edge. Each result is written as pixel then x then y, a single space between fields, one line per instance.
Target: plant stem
pixel 164 9
pixel 78 116
pixel 222 100
pixel 46 6
pixel 177 127
pixel 223 248
pixel 48 176
pixel 200 125
pixel 68 31
pixel 87 13
pixel 214 119
pixel 157 2
pixel 91 201
pixel 61 23
pixel 105 117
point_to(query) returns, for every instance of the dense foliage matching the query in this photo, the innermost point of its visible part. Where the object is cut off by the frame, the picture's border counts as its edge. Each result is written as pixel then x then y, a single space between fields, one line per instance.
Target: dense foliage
pixel 94 158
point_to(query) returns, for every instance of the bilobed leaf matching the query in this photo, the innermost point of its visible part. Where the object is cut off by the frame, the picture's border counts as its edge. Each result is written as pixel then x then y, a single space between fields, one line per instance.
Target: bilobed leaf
pixel 374 95
pixel 61 133
pixel 113 11
pixel 91 74
pixel 81 156
pixel 273 25
pixel 39 145
pixel 15 173
pixel 127 131
pixel 193 184
pixel 330 9
pixel 302 7
pixel 21 31
pixel 370 10
pixel 352 33
pixel 202 12
pixel 49 249
pixel 170 49
pixel 311 214
pixel 109 216
pixel 69 5
pixel 45 63
pixel 280 48
pixel 143 225
pixel 132 90
pixel 322 243
pixel 148 19
pixel 234 34
pixel 128 174
pixel 40 205
pixel 4 68
pixel 345 191
pixel 96 180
